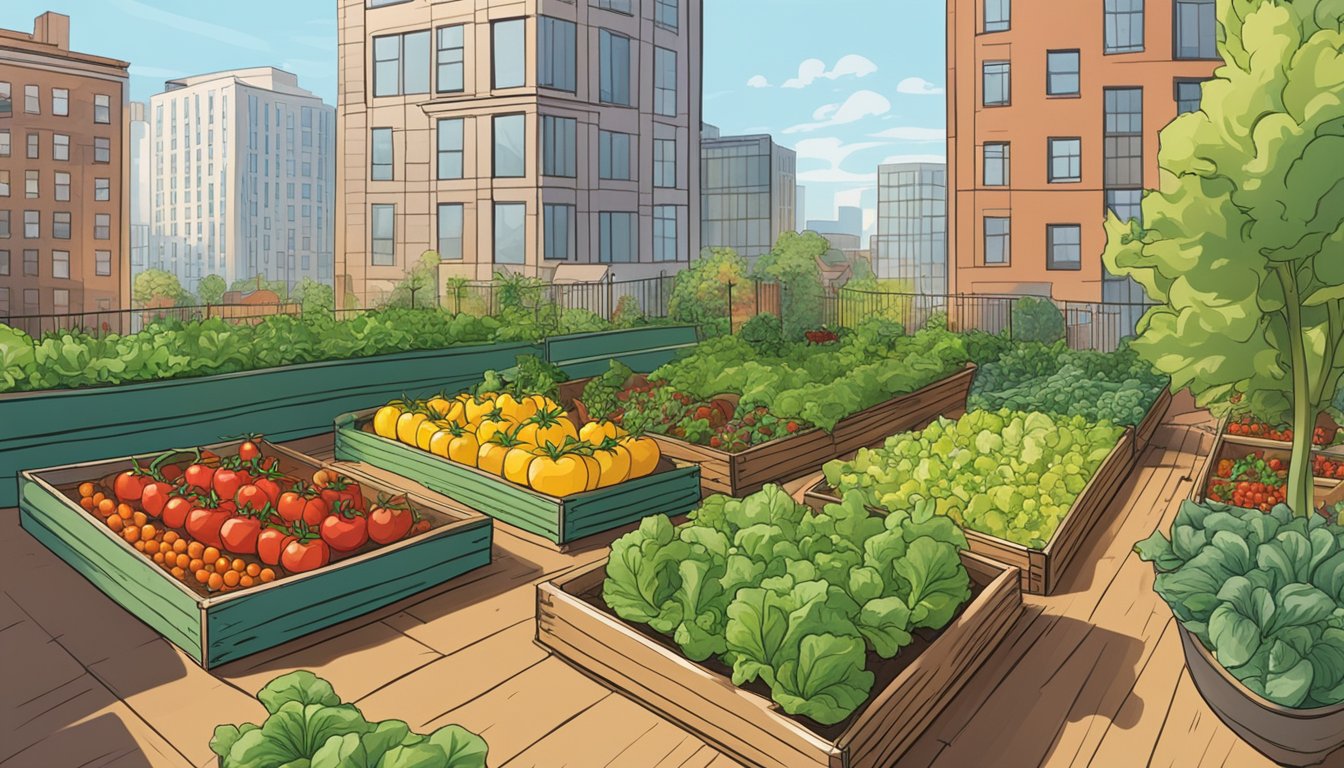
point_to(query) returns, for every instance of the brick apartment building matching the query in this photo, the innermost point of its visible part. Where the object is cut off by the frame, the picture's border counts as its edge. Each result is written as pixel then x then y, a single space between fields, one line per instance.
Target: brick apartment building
pixel 64 202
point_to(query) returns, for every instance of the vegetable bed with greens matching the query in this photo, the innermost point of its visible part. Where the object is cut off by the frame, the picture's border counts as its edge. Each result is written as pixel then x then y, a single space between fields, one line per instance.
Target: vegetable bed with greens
pixel 804 602
pixel 1007 474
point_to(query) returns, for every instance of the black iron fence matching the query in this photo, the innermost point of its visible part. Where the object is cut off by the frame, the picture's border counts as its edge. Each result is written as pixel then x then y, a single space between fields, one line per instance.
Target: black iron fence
pixel 125 321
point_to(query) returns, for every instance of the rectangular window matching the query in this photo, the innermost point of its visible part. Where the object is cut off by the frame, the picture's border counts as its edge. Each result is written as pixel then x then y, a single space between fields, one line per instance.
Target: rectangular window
pixel 1189 94
pixel 450 231
pixel 509 54
pixel 60 224
pixel 31 185
pixel 450 148
pixel 102 226
pixel 102 150
pixel 102 190
pixel 60 301
pixel 4 183
pixel 30 262
pixel 1123 142
pixel 1062 78
pixel 510 146
pixel 450 53
pixel 4 142
pixel 559 147
pixel 4 300
pixel 998 15
pixel 1196 29
pixel 102 109
pixel 4 263
pixel 613 156
pixel 380 154
pixel 31 99
pixel 60 102
pixel 1127 204
pixel 1124 26
pixel 510 233
pixel 667 14
pixel 665 82
pixel 665 163
pixel 998 245
pixel 614 68
pixel 997 84
pixel 62 187
pixel 32 225
pixel 60 264
pixel 559 232
pixel 383 230
pixel 60 146
pixel 33 139
pixel 401 64
pixel 1065 243
pixel 6 99
pixel 664 233
pixel 557 61
pixel 1066 160
pixel 386 65
pixel 102 263
pixel 4 224
pixel 30 305
pixel 616 237
pixel 621 6
pixel 997 165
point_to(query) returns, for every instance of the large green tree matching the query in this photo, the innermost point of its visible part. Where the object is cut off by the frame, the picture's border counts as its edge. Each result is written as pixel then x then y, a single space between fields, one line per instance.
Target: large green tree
pixel 211 289
pixel 1243 244
pixel 795 264
pixel 153 284
pixel 713 292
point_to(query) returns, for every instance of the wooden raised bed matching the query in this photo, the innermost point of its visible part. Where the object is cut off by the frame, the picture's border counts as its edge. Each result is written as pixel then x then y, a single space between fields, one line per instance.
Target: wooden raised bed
pixel 673 489
pixel 749 725
pixel 214 629
pixel 1041 569
pixel 1234 447
pixel 1143 433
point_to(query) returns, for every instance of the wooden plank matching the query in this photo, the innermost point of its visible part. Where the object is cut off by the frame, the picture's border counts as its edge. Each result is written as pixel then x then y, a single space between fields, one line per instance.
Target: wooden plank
pixel 599 736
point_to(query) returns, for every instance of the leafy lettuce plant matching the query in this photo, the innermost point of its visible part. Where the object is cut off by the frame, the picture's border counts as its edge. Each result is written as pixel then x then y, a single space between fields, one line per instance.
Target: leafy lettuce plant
pixel 309 727
pixel 1264 592
pixel 791 597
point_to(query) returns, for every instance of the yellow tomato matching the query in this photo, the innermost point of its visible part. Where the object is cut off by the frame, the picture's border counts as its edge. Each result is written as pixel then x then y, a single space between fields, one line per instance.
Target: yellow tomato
pixel 425 432
pixel 596 432
pixel 464 449
pixel 407 426
pixel 516 463
pixel 644 455
pixel 385 421
pixel 490 458
pixel 560 476
pixel 457 412
pixel 594 472
pixel 487 429
pixel 439 405
pixel 516 411
pixel 438 444
pixel 477 409
pixel 613 462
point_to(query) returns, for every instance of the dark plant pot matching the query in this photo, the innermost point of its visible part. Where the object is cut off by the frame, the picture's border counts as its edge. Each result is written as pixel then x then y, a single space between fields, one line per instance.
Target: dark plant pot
pixel 1295 737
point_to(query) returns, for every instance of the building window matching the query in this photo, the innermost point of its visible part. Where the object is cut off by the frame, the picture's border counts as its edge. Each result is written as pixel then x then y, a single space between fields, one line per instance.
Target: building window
pixel 558 58
pixel 1065 243
pixel 617 233
pixel 60 102
pixel 450 53
pixel 31 185
pixel 559 232
pixel 559 147
pixel 664 233
pixel 665 82
pixel 102 190
pixel 1196 29
pixel 4 263
pixel 4 224
pixel 102 150
pixel 998 240
pixel 33 139
pixel 30 305
pixel 1062 76
pixel 667 14
pixel 450 148
pixel 383 228
pixel 102 226
pixel 450 231
pixel 510 53
pixel 665 163
pixel 4 142
pixel 31 99
pixel 60 264
pixel 102 109
pixel 510 233
pixel 6 99
pixel 62 187
pixel 613 156
pixel 30 262
pixel 380 154
pixel 997 165
pixel 401 64
pixel 1066 160
pixel 998 15
pixel 1189 94
pixel 510 146
pixel 60 301
pixel 997 84
pixel 60 146
pixel 1124 26
pixel 1123 140
pixel 622 6
pixel 614 67
pixel 4 300
pixel 60 224
pixel 1127 204
pixel 102 263
pixel 4 183
pixel 32 225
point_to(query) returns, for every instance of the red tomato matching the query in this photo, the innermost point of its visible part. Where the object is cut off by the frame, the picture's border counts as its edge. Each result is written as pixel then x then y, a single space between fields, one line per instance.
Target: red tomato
pixel 129 485
pixel 302 555
pixel 389 524
pixel 344 490
pixel 290 506
pixel 251 498
pixel 227 482
pixel 270 487
pixel 271 543
pixel 248 451
pixel 315 510
pixel 345 530
pixel 200 476
pixel 240 534
pixel 175 512
pixel 170 472
pixel 204 524
pixel 155 497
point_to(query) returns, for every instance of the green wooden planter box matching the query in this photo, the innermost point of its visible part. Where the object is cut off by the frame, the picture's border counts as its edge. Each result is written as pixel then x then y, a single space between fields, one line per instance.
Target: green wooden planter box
pixel 672 489
pixel 643 349
pixel 221 628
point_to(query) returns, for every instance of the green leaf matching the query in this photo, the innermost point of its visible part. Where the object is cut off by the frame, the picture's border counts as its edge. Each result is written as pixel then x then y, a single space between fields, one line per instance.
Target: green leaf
pixel 301 686
pixel 826 681
pixel 461 748
pixel 885 623
pixel 938 582
pixel 1236 637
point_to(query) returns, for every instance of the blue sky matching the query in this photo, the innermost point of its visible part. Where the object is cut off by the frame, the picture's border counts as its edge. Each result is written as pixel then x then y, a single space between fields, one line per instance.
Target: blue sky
pixel 849 84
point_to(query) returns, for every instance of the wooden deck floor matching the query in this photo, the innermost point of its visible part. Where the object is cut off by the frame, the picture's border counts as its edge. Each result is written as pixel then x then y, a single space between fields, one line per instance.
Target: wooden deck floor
pixel 1092 676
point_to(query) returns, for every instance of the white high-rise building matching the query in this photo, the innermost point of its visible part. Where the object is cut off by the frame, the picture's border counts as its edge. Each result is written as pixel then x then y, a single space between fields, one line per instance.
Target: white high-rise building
pixel 244 178
pixel 142 184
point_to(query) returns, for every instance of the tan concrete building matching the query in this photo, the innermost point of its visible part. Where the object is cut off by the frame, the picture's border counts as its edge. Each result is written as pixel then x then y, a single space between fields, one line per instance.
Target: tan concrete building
pixel 523 135
pixel 64 203
pixel 1054 111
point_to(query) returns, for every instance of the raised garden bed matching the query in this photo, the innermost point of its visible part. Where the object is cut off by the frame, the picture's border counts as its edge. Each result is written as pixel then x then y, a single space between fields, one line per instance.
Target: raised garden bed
pixel 216 628
pixel 1234 447
pixel 1143 433
pixel 1041 570
pixel 673 488
pixel 916 686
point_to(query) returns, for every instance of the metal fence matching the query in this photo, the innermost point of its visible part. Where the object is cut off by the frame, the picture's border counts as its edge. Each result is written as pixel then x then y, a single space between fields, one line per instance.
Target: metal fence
pixel 125 321
pixel 608 299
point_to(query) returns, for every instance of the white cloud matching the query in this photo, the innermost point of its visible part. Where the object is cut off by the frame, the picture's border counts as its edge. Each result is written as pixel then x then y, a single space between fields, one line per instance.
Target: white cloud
pixel 918 86
pixel 833 152
pixel 758 81
pixel 835 176
pixel 811 70
pixel 914 159
pixel 859 105
pixel 913 134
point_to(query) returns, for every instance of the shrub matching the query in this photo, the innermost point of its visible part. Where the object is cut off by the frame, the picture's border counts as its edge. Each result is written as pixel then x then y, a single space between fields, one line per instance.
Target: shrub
pixel 1037 319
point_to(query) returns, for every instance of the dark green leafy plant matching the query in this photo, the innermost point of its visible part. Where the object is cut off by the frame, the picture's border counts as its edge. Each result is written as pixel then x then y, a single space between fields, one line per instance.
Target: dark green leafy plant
pixel 530 376
pixel 1037 319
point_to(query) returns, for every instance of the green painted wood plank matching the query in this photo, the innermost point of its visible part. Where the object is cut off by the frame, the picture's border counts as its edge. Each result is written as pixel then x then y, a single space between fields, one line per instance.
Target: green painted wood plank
pixel 677 493
pixel 577 347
